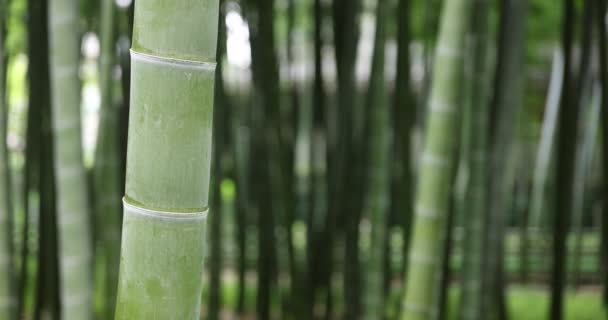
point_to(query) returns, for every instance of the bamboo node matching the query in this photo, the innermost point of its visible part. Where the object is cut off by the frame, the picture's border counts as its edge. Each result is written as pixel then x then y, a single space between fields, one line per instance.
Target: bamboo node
pixel 191 64
pixel 134 209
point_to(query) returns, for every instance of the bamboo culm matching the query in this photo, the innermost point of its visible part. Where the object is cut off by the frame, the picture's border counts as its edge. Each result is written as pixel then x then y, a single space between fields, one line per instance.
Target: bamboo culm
pixel 378 174
pixel 70 181
pixel 470 302
pixel 106 171
pixel 168 159
pixel 436 165
pixel 7 293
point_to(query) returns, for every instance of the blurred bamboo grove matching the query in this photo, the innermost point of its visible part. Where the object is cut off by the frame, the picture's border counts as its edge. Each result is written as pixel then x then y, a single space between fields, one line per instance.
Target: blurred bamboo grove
pixel 303 159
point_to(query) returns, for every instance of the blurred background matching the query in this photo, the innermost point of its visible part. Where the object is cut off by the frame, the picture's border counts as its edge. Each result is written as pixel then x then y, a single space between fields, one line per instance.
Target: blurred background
pixel 322 111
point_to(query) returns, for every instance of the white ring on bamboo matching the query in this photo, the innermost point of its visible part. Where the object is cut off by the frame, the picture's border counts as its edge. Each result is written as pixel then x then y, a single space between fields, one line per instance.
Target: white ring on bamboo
pixel 424 259
pixel 198 65
pixel 130 208
pixel 441 107
pixel 450 52
pixel 428 158
pixel 428 213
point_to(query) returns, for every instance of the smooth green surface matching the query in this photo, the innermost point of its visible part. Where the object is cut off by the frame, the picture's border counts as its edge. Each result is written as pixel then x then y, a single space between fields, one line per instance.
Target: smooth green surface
pixel 475 203
pixel 184 29
pixel 72 208
pixel 168 159
pixel 436 165
pixel 378 175
pixel 162 263
pixel 169 148
pixel 7 301
pixel 107 162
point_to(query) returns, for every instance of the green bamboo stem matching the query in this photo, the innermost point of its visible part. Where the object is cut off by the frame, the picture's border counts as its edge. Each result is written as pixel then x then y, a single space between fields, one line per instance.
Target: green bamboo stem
pixel 588 127
pixel 436 165
pixel 507 103
pixel 600 25
pixel 378 174
pixel 72 209
pixel 107 161
pixel 168 159
pixel 547 141
pixel 7 294
pixel 475 197
pixel 567 123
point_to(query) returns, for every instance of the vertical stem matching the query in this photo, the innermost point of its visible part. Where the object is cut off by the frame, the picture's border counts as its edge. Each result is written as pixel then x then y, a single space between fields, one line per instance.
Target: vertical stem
pixel 475 197
pixel 436 165
pixel 7 293
pixel 107 161
pixel 378 172
pixel 567 119
pixel 168 159
pixel 603 66
pixel 70 181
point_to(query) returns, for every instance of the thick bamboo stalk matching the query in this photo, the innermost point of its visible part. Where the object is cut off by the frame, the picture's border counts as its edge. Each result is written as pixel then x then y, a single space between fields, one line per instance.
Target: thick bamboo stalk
pixel 603 72
pixel 475 197
pixel 72 208
pixel 506 105
pixel 7 293
pixel 378 173
pixel 436 165
pixel 547 138
pixel 567 123
pixel 168 159
pixel 588 127
pixel 107 161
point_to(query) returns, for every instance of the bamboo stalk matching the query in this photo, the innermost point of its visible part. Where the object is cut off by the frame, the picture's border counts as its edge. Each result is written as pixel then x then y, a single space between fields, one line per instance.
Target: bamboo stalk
pixel 7 293
pixel 475 197
pixel 168 159
pixel 378 173
pixel 588 131
pixel 436 165
pixel 106 172
pixel 72 209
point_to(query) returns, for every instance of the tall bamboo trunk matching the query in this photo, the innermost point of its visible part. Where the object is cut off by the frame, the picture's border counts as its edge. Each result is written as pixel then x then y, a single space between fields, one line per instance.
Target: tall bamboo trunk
pixel 318 256
pixel 345 152
pixel 378 173
pixel 8 295
pixel 168 159
pixel 582 101
pixel 436 165
pixel 475 197
pixel 567 121
pixel 220 143
pixel 603 72
pixel 70 181
pixel 500 177
pixel 273 262
pixel 106 171
pixel 588 126
pixel 404 111
pixel 47 289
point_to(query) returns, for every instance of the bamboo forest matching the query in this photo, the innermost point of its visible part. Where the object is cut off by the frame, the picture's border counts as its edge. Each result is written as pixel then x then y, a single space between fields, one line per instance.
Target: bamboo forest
pixel 303 159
